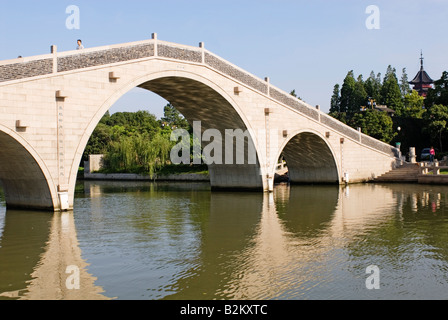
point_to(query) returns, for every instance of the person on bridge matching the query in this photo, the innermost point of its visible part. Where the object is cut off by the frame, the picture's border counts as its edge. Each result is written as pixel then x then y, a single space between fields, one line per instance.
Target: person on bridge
pixel 432 154
pixel 80 45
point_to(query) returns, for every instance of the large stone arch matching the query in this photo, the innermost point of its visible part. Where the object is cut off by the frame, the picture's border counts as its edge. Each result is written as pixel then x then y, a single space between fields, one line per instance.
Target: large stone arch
pixel 25 178
pixel 198 99
pixel 310 159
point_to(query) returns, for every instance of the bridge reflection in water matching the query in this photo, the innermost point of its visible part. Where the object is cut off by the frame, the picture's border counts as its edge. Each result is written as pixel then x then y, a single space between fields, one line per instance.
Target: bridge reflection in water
pixel 35 250
pixel 180 241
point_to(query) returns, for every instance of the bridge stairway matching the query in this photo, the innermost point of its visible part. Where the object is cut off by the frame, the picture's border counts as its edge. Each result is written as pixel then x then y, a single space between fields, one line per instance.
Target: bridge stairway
pixel 405 173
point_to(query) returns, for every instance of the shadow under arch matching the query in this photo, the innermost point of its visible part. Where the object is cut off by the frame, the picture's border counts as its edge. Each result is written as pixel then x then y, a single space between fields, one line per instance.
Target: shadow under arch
pixel 310 159
pixel 198 99
pixel 23 175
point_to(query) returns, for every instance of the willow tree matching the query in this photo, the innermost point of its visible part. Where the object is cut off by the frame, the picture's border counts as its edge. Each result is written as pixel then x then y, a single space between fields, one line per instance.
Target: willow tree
pixel 138 154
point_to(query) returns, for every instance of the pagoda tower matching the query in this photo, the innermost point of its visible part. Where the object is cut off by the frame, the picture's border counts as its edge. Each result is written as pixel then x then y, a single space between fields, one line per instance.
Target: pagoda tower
pixel 422 81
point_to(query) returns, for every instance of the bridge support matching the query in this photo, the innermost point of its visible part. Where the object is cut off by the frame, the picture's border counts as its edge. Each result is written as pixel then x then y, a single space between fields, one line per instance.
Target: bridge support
pixel 25 184
pixel 64 199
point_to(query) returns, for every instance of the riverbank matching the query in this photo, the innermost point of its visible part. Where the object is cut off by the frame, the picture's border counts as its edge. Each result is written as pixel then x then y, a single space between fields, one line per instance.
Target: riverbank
pixel 181 177
pixel 179 173
pixel 168 173
pixel 433 179
pixel 205 177
pixel 202 177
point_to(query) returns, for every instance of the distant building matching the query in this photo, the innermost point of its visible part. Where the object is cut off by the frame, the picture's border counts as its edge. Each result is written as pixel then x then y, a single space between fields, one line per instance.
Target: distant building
pixel 386 109
pixel 422 81
pixel 378 107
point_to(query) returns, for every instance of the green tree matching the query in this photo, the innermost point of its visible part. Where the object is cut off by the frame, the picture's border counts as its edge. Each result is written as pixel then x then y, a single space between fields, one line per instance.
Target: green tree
pixel 436 119
pixel 373 87
pixel 131 142
pixel 140 122
pixel 348 99
pixel 404 84
pixel 138 154
pixel 335 103
pixel 390 90
pixel 438 94
pixel 376 124
pixel 99 139
pixel 360 95
pixel 173 118
pixel 413 106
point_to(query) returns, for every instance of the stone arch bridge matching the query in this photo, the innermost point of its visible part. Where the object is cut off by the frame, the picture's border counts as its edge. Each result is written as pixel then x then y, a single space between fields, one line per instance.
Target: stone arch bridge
pixel 50 105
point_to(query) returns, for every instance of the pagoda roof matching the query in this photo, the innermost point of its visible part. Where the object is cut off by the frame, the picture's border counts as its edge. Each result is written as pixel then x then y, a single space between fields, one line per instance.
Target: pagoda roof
pixel 422 78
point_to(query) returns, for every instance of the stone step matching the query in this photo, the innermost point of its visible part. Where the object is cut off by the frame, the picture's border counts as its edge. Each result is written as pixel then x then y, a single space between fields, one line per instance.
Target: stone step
pixel 396 179
pixel 400 174
pixel 405 173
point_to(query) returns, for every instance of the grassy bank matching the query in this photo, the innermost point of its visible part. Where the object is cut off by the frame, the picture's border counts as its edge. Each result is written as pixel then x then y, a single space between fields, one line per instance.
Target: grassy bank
pixel 166 170
pixel 183 169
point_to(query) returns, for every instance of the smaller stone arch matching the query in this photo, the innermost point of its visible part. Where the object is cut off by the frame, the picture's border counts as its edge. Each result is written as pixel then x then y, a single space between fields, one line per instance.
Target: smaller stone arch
pixel 310 159
pixel 25 179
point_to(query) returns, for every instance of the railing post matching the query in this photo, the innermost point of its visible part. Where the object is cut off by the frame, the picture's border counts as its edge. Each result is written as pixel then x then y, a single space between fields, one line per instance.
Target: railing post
pixel 154 37
pixel 412 155
pixel 436 168
pixel 54 51
pixel 423 170
pixel 202 46
pixel 268 82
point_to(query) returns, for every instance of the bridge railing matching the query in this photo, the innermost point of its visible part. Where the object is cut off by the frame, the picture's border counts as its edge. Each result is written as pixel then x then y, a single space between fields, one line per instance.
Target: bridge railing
pixel 305 109
pixel 57 62
pixel 28 67
pixel 431 168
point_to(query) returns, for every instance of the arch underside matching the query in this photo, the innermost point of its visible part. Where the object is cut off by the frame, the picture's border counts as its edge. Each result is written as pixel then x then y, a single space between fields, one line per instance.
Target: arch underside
pixel 199 102
pixel 310 160
pixel 24 184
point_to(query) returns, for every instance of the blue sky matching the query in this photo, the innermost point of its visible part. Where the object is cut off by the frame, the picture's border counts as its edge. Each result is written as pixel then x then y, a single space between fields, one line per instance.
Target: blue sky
pixel 308 46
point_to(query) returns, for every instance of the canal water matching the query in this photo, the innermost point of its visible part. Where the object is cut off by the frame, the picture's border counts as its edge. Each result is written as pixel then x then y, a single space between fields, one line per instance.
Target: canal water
pixel 155 241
